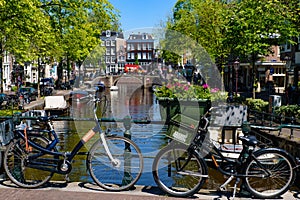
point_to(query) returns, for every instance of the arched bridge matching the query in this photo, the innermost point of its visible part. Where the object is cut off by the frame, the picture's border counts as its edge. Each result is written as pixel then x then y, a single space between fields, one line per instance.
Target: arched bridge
pixel 143 80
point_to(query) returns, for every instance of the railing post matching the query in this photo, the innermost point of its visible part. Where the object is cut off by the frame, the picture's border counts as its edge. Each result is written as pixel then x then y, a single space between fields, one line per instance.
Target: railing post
pixel 127 178
pixel 292 129
pixel 127 132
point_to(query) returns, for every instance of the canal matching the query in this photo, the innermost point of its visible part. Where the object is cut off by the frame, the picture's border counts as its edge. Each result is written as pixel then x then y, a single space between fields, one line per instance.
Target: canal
pixel 129 100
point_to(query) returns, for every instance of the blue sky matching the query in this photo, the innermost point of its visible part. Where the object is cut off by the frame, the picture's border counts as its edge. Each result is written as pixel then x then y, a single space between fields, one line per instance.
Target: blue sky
pixel 139 14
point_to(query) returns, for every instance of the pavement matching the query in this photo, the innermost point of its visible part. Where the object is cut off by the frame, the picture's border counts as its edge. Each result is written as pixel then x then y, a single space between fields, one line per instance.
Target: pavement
pixel 88 191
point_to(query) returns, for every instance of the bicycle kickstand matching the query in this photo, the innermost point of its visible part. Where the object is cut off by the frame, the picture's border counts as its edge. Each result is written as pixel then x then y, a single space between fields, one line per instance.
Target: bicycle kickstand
pixel 235 185
pixel 223 186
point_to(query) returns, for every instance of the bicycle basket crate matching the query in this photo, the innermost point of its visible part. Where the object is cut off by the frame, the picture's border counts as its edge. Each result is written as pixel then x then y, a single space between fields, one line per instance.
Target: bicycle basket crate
pixel 182 128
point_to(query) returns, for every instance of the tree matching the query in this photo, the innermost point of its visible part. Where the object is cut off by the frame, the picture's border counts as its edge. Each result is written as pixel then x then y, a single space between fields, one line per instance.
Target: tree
pixel 202 21
pixel 254 26
pixel 78 26
pixel 20 21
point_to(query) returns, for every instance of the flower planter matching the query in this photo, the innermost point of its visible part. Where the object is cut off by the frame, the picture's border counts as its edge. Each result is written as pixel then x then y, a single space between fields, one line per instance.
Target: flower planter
pixel 191 108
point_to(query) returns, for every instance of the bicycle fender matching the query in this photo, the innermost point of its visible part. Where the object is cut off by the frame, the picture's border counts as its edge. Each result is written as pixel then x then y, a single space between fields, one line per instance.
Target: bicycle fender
pixel 287 154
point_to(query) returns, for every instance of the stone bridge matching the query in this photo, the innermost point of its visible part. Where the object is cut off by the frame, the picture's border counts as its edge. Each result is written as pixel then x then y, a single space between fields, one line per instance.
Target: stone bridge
pixel 145 81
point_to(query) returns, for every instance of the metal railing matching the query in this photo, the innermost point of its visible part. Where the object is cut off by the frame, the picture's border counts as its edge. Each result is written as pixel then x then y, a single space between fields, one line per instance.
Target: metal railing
pixel 272 122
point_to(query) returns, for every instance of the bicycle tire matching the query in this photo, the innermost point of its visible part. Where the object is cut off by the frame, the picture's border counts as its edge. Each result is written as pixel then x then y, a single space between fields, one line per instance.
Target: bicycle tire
pixel 115 177
pixel 282 174
pixel 172 182
pixel 15 163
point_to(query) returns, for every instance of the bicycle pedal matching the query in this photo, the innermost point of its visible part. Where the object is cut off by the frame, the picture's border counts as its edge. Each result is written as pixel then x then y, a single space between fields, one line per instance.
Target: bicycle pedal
pixel 222 189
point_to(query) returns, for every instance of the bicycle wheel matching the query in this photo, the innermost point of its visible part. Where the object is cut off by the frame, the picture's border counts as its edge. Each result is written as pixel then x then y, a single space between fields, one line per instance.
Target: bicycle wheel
pixel 275 162
pixel 16 163
pixel 120 175
pixel 173 180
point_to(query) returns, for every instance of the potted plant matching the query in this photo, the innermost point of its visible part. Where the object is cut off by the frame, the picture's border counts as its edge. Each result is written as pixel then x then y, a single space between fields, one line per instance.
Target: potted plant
pixel 184 98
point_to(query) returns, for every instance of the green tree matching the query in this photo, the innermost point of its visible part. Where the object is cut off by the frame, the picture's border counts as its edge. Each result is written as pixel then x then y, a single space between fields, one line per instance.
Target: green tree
pixel 254 26
pixel 21 20
pixel 78 25
pixel 202 21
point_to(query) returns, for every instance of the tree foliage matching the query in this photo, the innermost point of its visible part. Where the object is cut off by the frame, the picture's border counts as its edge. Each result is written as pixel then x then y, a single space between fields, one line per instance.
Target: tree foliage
pixel 239 28
pixel 57 30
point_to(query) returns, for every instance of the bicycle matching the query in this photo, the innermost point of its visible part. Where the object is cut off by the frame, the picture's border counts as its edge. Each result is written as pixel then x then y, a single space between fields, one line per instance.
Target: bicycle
pixel 114 162
pixel 180 169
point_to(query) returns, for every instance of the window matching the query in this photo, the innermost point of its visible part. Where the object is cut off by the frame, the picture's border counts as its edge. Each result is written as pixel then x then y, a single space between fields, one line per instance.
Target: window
pixel 113 43
pixel 113 51
pixel 107 43
pixel 107 51
pixel 149 46
pixel 139 47
pixel 113 59
pixel 139 55
pixel 107 60
pixel 149 56
pixel 144 46
pixel 144 55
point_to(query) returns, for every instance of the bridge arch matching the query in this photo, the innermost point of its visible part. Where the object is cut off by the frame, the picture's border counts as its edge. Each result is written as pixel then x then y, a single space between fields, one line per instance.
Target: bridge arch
pixel 128 80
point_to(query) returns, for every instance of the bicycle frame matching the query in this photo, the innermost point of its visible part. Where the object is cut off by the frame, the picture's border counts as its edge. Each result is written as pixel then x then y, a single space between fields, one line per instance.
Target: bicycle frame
pixel 68 157
pixel 236 162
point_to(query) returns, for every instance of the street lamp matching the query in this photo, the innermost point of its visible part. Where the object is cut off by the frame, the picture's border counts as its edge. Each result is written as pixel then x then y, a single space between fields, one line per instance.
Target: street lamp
pixel 236 65
pixel 289 69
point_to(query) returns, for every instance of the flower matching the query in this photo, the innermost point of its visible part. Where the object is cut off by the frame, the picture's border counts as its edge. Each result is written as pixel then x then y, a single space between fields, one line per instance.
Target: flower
pixel 218 95
pixel 184 91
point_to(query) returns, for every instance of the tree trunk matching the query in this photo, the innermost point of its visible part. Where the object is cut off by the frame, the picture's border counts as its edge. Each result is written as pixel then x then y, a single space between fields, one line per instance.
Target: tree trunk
pixel 1 68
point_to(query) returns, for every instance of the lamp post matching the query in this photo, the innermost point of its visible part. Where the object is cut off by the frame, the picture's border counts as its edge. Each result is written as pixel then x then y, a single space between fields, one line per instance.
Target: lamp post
pixel 236 65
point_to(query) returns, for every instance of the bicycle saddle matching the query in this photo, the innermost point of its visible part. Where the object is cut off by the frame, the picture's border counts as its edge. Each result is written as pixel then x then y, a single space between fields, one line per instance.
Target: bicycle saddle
pixel 47 118
pixel 249 140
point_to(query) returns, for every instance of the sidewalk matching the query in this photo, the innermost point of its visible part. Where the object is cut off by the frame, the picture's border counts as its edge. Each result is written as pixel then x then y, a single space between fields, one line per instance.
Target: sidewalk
pixel 79 191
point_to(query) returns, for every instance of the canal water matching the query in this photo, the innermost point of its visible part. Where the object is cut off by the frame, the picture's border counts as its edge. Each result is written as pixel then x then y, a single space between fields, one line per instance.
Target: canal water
pixel 132 101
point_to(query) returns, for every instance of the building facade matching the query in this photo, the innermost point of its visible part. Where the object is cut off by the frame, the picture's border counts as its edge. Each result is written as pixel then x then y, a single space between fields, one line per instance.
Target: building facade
pixel 140 48
pixel 290 54
pixel 115 51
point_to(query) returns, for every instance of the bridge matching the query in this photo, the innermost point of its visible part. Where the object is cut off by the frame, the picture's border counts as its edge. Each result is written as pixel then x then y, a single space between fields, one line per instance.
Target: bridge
pixel 145 81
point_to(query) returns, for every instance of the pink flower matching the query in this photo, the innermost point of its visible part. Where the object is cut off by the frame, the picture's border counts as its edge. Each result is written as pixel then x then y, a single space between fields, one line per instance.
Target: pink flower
pixel 205 86
pixel 215 90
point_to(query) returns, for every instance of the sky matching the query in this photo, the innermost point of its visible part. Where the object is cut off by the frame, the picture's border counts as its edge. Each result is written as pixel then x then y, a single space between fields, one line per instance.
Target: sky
pixel 140 14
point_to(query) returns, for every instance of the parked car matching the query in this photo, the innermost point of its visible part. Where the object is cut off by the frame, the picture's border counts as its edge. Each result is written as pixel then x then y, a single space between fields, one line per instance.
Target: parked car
pixel 28 92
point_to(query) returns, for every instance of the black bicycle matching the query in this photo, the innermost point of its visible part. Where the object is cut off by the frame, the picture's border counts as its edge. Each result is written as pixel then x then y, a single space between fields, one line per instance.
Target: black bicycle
pixel 114 162
pixel 181 170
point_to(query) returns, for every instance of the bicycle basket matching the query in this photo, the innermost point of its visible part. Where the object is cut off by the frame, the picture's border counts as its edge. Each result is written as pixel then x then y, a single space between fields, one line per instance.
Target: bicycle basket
pixel 182 128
